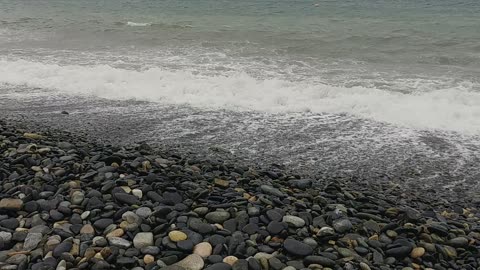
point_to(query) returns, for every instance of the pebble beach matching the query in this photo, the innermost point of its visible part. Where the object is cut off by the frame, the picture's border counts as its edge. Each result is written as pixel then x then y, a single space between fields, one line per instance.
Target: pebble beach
pixel 70 203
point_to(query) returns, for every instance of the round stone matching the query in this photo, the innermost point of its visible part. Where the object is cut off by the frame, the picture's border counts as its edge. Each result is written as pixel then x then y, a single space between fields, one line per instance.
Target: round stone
pixel 143 239
pixel 176 236
pixel 230 260
pixel 417 252
pixel 203 249
pixel 143 212
pixel 148 259
pixel 342 225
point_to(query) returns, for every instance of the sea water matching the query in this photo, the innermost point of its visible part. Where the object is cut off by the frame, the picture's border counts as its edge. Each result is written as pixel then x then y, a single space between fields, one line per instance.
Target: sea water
pixel 357 74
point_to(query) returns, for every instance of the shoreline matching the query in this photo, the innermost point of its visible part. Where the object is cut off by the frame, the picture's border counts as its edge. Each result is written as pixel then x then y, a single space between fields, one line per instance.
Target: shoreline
pixel 140 207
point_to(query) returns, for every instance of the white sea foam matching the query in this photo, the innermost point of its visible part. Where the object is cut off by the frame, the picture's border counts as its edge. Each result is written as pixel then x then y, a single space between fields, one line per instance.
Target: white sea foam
pixel 453 109
pixel 138 24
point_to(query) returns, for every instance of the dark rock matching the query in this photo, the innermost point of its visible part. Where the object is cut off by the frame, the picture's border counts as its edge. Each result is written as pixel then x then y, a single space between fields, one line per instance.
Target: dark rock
pixel 297 248
pixel 126 198
pixel 61 248
pixel 276 227
pixel 324 261
pixel 102 223
pixel 219 266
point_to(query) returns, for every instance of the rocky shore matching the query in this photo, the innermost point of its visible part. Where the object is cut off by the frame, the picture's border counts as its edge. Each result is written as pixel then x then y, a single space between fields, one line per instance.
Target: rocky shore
pixel 70 203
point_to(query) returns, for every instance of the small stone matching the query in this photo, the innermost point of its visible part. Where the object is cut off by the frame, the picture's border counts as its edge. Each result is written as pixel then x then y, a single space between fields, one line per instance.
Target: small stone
pixel 320 260
pixel 148 259
pixel 31 241
pixel 297 248
pixel 10 223
pixel 126 198
pixel 5 237
pixel 399 252
pixel 77 197
pixel 221 183
pixel 185 245
pixel 417 252
pixel 203 249
pixel 458 242
pixel 137 193
pixel 230 260
pixel 191 262
pixel 219 266
pixel 99 241
pixel 119 242
pixel 61 248
pixel 11 204
pixel 294 221
pixel 177 236
pixel 116 233
pixel 87 229
pixel 62 265
pixel 143 239
pixel 364 266
pixel 342 225
pixel 143 212
pixel 16 259
pixel 102 223
pixel 272 191
pixel 217 216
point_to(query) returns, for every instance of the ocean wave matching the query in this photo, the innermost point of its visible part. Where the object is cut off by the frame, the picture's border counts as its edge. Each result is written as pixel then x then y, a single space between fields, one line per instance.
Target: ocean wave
pixel 452 109
pixel 138 24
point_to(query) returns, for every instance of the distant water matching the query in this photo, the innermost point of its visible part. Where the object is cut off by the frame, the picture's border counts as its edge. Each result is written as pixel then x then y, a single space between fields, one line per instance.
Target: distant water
pixel 414 63
pixel 354 85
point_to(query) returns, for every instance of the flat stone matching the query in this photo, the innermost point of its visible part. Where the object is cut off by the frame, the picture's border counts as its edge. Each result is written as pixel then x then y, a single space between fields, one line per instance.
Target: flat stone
pixel 11 204
pixel 61 248
pixel 221 183
pixel 458 242
pixel 297 248
pixel 217 216
pixel 32 240
pixel 272 191
pixel 143 212
pixel 399 252
pixel 323 261
pixel 125 198
pixel 275 227
pixel 294 221
pixel 191 262
pixel 219 266
pixel 119 242
pixel 103 223
pixel 5 237
pixel 10 223
pixel 116 233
